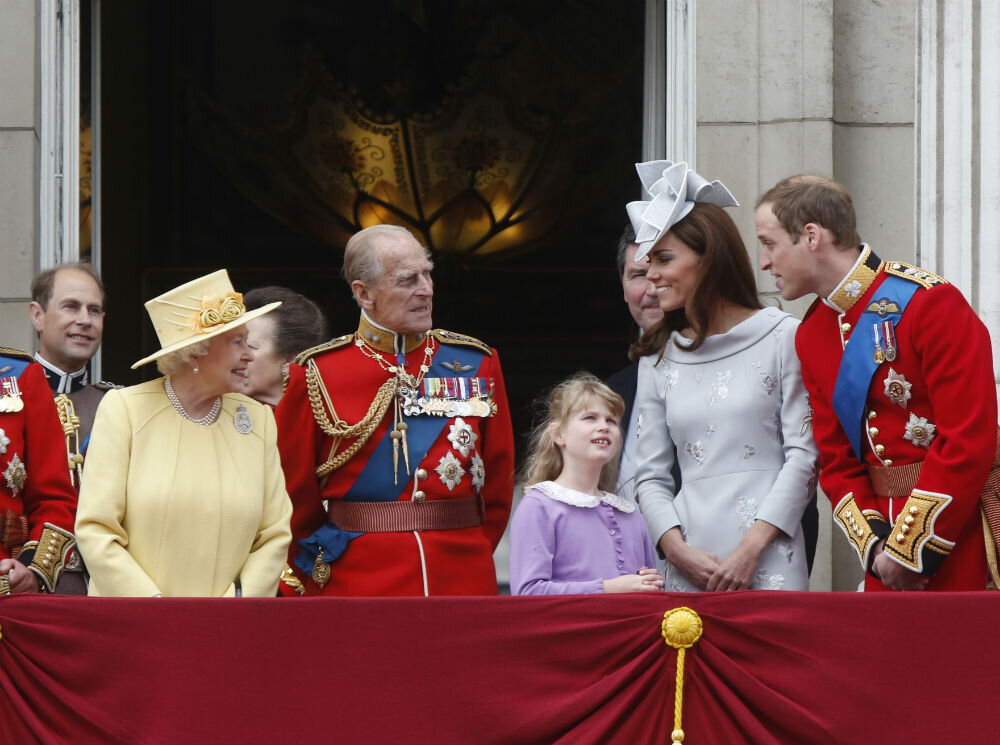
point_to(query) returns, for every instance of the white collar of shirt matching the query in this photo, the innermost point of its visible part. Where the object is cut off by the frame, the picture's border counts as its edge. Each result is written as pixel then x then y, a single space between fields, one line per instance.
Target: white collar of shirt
pixel 65 379
pixel 578 499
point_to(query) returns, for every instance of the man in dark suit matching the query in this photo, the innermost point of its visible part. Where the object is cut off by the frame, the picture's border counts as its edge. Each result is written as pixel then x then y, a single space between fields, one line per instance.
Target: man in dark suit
pixel 644 305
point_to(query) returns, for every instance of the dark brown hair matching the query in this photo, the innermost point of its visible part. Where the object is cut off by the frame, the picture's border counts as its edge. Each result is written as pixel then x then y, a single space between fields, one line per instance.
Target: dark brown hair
pixel 44 282
pixel 799 200
pixel 299 322
pixel 724 273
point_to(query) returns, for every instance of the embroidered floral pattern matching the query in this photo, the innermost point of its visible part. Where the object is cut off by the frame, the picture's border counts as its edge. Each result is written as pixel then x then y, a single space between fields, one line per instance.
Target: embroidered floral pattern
pixel 709 430
pixel 807 421
pixel 746 511
pixel 696 451
pixel 767 581
pixel 720 388
pixel 670 380
pixel 919 431
pixel 748 451
pixel 853 289
pixel 697 378
pixel 784 547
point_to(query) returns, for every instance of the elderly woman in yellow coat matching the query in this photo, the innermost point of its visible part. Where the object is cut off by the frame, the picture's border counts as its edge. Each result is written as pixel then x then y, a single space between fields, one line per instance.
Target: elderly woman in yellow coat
pixel 184 494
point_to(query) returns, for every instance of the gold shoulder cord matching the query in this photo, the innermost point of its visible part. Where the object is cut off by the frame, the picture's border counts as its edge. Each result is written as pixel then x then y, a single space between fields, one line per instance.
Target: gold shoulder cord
pixel 71 428
pixel 339 429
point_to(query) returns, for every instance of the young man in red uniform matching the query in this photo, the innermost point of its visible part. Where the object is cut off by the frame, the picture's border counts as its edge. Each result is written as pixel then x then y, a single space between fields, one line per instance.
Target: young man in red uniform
pixel 37 501
pixel 396 442
pixel 900 377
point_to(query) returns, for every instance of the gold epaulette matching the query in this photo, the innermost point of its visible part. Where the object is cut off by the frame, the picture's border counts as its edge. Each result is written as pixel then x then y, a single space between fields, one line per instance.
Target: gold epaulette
pixel 863 528
pixel 925 279
pixel 336 343
pixel 912 542
pixel 16 354
pixel 450 337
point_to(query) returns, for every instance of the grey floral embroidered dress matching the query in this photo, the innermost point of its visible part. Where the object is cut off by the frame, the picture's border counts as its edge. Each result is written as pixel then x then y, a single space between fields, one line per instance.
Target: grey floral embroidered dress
pixel 735 413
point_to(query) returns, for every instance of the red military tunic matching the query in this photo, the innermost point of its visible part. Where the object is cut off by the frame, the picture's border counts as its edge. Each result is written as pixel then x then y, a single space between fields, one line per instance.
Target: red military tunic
pixel 37 501
pixel 471 457
pixel 933 404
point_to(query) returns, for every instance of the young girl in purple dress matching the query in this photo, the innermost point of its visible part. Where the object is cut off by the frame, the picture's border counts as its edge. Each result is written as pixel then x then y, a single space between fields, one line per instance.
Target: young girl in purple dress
pixel 568 535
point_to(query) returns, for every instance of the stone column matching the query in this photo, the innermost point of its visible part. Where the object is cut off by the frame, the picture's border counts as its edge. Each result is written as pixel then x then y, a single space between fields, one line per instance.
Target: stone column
pixel 19 177
pixel 958 150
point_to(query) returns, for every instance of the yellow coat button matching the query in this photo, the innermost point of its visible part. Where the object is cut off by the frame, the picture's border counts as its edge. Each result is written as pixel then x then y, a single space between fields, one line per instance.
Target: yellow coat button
pixel 873 431
pixel 419 496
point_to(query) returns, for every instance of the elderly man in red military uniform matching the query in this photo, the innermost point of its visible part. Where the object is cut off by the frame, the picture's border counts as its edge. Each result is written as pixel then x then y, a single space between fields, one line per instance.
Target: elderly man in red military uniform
pixel 37 501
pixel 900 377
pixel 396 442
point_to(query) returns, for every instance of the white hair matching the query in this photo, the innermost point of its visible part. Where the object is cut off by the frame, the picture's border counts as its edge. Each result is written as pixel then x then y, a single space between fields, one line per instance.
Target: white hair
pixel 362 258
pixel 172 362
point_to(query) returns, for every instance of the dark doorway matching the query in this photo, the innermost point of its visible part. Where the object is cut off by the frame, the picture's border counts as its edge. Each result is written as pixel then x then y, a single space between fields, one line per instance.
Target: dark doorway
pixel 231 139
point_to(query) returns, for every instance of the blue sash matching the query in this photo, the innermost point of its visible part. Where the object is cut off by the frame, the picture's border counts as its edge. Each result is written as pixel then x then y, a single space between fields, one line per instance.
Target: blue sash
pixel 375 483
pixel 858 365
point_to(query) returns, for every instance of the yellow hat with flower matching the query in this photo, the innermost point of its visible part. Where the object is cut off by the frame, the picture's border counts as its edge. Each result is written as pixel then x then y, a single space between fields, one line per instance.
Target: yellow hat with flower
pixel 197 310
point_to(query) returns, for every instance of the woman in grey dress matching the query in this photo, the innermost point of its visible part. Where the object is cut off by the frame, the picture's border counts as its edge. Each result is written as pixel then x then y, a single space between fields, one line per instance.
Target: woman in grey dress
pixel 721 392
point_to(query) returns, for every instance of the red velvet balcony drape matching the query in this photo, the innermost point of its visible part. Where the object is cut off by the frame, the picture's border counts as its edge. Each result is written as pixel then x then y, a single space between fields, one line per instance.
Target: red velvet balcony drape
pixel 771 667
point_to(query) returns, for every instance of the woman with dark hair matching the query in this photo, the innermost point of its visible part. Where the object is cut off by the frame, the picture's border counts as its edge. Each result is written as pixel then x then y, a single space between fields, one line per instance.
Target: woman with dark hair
pixel 277 339
pixel 720 391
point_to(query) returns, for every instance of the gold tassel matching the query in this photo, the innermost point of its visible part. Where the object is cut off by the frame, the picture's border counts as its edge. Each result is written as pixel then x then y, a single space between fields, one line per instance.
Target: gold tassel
pixel 681 629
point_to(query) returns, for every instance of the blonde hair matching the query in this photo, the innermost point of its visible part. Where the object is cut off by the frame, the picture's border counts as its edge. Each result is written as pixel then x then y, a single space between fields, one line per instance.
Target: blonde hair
pixel 546 462
pixel 171 363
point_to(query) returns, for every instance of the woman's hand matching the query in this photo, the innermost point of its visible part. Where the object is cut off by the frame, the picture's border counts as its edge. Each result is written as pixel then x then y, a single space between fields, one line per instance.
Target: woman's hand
pixel 696 565
pixel 647 580
pixel 20 577
pixel 737 570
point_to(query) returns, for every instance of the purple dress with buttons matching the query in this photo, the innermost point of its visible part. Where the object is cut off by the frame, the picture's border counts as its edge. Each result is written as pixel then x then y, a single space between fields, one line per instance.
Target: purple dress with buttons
pixel 565 542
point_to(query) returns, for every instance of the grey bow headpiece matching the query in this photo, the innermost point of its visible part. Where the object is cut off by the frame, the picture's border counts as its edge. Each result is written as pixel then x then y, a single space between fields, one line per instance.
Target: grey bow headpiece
pixel 674 189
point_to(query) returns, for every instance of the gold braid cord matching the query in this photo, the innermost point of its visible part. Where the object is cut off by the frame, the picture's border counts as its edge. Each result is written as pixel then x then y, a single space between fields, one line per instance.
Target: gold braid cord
pixel 681 629
pixel 338 429
pixel 71 429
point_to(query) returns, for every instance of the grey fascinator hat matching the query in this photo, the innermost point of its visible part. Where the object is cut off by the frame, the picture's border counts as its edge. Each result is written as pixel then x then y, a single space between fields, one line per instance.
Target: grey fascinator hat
pixel 674 189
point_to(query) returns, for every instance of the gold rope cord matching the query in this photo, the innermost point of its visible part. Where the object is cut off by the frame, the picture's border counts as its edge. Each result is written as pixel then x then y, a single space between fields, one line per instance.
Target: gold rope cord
pixel 340 429
pixel 681 629
pixel 71 429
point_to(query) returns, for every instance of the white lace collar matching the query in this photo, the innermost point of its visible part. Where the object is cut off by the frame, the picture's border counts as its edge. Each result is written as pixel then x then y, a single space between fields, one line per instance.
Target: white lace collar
pixel 578 499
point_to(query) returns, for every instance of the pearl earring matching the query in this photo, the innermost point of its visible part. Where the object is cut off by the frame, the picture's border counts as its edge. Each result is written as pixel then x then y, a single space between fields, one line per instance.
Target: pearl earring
pixel 195 369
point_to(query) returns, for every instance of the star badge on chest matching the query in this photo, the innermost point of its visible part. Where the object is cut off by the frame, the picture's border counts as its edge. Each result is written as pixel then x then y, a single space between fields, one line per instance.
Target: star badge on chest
pixel 461 437
pixel 897 388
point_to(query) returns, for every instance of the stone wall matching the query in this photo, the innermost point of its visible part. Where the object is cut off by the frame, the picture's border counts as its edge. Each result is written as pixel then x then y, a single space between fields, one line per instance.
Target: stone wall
pixel 19 157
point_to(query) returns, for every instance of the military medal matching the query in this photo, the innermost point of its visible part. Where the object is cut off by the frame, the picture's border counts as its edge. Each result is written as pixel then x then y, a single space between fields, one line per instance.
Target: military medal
pixel 4 442
pixel 242 420
pixel 877 338
pixel 462 438
pixel 10 396
pixel 321 570
pixel 919 431
pixel 889 333
pixel 16 474
pixel 897 388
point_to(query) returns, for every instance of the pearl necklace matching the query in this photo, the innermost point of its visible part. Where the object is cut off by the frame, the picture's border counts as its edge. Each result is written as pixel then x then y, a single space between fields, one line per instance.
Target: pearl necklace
pixel 206 420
